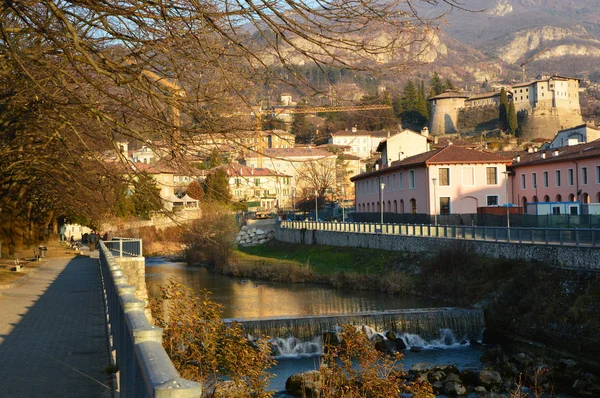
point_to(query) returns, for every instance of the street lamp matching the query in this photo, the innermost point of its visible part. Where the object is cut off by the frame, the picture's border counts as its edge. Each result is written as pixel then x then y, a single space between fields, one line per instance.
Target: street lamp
pixel 382 186
pixel 316 206
pixel 506 174
pixel 434 201
pixel 294 202
pixel 343 201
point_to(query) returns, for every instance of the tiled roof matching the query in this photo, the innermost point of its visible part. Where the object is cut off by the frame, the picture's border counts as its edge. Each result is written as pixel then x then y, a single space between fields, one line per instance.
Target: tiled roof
pixel 381 133
pixel 237 169
pixel 291 152
pixel 450 94
pixel 484 95
pixel 567 153
pixel 451 154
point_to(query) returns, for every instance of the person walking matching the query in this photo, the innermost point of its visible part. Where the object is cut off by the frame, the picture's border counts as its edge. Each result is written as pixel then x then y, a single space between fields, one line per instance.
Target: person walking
pixel 92 240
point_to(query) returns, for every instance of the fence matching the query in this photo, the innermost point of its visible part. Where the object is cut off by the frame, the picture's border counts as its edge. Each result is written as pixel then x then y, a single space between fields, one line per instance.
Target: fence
pixel 557 236
pixel 125 247
pixel 145 369
pixel 483 219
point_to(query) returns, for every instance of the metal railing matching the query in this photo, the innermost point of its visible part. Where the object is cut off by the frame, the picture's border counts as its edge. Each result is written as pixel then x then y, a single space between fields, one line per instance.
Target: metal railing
pixel 145 369
pixel 546 236
pixel 124 247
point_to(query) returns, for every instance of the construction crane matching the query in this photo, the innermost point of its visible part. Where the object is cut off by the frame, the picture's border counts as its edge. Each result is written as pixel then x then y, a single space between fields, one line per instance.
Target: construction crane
pixel 304 110
pixel 528 60
pixel 176 91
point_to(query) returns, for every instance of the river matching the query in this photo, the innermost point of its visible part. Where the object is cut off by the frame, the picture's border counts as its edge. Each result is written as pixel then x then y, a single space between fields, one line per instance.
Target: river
pixel 248 299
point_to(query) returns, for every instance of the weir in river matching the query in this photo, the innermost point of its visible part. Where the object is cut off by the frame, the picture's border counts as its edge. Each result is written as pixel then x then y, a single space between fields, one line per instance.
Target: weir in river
pixel 428 323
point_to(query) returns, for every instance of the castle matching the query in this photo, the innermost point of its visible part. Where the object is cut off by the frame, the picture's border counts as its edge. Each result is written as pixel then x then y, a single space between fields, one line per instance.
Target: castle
pixel 544 106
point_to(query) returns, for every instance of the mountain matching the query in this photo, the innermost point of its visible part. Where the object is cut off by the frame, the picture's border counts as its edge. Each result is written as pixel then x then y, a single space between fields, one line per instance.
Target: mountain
pixel 560 36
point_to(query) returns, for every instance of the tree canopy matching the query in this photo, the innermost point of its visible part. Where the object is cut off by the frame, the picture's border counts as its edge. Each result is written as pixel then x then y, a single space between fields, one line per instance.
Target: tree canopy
pixel 79 77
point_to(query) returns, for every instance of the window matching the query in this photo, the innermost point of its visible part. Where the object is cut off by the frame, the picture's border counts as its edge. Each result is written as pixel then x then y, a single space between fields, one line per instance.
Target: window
pixel 523 183
pixel 411 179
pixel 584 176
pixel 257 182
pixel 491 175
pixel 393 182
pixel 533 180
pixel 545 176
pixel 389 187
pixel 557 177
pixel 444 205
pixel 468 175
pixel 492 200
pixel 400 182
pixel 597 174
pixel 570 179
pixel 444 176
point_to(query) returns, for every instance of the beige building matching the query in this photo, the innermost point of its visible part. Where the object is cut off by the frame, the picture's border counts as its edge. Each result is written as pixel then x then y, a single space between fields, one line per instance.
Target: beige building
pixel 362 143
pixel 261 188
pixel 403 144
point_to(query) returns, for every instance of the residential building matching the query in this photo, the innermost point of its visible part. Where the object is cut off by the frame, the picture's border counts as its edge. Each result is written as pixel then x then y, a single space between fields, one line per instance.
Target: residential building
pixel 447 180
pixel 575 135
pixel 164 176
pixel 363 143
pixel 403 144
pixel 261 188
pixel 565 174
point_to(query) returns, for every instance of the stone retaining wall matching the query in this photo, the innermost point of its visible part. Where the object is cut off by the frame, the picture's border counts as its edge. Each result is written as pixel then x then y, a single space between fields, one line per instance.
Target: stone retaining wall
pixel 568 256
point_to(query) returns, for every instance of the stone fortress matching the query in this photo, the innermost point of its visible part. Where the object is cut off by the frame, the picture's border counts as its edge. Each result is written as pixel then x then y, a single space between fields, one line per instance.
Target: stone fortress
pixel 544 106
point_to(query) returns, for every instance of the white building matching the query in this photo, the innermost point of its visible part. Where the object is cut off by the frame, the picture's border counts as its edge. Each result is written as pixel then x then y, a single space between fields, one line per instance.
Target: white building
pixel 403 144
pixel 363 143
pixel 576 135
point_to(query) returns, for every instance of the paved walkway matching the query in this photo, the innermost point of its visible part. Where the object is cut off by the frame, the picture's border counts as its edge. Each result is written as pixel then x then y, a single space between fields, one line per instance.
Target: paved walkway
pixel 52 333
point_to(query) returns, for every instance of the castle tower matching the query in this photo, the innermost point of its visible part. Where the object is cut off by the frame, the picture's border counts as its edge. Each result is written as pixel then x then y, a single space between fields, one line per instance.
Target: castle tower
pixel 444 112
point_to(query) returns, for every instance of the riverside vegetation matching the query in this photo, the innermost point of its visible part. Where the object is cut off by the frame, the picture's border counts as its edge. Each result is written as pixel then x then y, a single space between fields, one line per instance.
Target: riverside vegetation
pixel 526 301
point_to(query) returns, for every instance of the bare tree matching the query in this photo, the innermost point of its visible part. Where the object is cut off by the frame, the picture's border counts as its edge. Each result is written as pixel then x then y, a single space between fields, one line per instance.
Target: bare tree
pixel 78 76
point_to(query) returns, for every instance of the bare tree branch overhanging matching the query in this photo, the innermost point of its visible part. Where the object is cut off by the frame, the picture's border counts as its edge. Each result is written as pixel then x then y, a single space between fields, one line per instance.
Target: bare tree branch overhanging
pixel 76 76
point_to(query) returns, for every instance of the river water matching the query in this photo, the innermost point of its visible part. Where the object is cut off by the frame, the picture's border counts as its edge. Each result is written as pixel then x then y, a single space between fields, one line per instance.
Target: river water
pixel 248 299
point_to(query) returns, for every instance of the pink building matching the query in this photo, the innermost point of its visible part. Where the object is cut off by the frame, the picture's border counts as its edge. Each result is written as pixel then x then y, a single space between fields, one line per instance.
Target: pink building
pixel 566 174
pixel 448 180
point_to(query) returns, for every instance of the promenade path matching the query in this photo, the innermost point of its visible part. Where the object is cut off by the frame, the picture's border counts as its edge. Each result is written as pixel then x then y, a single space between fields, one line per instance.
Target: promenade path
pixel 53 339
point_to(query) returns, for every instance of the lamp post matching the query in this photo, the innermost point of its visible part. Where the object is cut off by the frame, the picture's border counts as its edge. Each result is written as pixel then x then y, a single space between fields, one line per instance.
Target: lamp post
pixel 316 206
pixel 343 203
pixel 506 174
pixel 434 201
pixel 382 186
pixel 294 203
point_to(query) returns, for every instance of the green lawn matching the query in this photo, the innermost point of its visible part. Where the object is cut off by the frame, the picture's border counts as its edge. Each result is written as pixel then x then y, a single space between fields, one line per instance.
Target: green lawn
pixel 322 260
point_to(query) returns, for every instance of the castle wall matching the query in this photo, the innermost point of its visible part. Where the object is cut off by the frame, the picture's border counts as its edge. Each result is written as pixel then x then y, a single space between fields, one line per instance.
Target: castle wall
pixel 444 115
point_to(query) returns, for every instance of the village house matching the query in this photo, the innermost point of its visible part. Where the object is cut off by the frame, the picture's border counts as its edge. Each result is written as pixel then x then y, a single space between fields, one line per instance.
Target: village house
pixel 403 144
pixel 165 177
pixel 554 176
pixel 576 135
pixel 363 143
pixel 449 180
pixel 260 188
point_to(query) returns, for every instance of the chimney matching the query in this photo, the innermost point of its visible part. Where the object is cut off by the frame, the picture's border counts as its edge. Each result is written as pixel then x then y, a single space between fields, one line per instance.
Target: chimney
pixel 425 131
pixel 354 129
pixel 518 158
pixel 555 153
pixel 401 156
pixel 376 166
pixel 535 149
pixel 388 134
pixel 530 150
pixel 544 155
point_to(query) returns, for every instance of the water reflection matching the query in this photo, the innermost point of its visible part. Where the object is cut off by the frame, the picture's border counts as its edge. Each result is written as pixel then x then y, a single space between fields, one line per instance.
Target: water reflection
pixel 248 299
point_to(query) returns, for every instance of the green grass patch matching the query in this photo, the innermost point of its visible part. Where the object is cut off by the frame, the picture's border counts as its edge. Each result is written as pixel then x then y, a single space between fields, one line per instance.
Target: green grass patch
pixel 322 260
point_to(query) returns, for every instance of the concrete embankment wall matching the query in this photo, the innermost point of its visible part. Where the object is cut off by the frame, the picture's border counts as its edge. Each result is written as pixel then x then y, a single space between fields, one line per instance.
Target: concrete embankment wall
pixel 567 256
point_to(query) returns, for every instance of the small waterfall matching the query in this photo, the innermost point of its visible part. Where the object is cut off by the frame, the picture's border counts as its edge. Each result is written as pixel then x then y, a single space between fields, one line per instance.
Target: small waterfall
pixel 434 326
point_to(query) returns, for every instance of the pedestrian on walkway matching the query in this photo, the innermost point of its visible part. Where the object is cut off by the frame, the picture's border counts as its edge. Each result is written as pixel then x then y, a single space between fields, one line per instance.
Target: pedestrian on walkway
pixel 92 240
pixel 63 230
